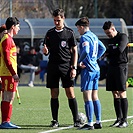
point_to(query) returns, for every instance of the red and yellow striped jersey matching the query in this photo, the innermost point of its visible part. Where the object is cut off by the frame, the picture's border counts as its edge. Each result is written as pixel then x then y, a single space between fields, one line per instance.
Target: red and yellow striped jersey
pixel 8 56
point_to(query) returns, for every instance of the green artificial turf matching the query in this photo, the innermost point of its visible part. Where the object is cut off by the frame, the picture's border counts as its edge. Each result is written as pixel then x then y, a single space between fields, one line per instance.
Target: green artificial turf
pixel 34 115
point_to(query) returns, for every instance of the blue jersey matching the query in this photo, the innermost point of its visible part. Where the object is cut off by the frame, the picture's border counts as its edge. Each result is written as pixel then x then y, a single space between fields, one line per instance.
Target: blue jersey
pixel 91 49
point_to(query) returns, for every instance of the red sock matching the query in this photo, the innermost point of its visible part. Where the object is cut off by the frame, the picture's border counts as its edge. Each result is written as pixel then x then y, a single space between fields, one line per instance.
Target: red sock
pixel 6 111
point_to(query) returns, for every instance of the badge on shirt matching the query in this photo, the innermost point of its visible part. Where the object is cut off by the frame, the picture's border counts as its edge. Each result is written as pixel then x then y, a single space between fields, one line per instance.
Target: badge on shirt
pixel 63 43
pixel 85 44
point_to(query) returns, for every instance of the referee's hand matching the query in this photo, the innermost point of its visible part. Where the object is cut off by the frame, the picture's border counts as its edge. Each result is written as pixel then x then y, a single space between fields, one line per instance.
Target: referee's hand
pixel 45 49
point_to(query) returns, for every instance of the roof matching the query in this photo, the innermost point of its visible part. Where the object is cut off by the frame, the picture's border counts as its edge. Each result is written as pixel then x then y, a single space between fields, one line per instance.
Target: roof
pixel 37 28
pixel 97 23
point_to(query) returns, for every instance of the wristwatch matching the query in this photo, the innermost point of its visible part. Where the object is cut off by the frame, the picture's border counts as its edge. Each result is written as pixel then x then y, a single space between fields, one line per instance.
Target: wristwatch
pixel 74 67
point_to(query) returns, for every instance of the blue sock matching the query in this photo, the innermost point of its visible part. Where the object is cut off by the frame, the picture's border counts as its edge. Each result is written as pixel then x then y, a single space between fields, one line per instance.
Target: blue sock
pixel 89 109
pixel 97 110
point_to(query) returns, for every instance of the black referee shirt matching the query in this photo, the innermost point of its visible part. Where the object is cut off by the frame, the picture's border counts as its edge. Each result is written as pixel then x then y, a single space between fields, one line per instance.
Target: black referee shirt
pixel 118 50
pixel 59 44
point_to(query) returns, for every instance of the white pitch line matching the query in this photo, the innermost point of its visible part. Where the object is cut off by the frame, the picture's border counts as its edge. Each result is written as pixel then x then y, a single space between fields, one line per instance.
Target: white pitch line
pixel 115 119
pixel 54 130
pixel 62 128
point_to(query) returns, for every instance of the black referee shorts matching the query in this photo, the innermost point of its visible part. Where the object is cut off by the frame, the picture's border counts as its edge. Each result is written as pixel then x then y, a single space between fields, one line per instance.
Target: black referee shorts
pixel 56 72
pixel 116 78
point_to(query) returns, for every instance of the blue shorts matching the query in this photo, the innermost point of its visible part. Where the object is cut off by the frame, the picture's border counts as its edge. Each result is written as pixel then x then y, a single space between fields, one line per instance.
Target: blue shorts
pixel 89 80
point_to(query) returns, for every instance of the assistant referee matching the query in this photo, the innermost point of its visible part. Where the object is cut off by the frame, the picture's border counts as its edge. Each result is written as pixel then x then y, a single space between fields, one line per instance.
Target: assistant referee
pixel 117 72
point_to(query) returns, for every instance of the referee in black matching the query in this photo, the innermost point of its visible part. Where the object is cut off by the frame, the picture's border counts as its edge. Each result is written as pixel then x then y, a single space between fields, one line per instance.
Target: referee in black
pixel 117 52
pixel 60 44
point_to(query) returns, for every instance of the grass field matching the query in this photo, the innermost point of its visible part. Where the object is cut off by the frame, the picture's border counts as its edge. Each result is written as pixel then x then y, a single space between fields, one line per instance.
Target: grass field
pixel 34 116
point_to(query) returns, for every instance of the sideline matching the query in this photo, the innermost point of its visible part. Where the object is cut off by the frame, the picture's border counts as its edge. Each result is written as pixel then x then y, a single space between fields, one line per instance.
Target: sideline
pixel 62 128
pixel 115 119
pixel 54 130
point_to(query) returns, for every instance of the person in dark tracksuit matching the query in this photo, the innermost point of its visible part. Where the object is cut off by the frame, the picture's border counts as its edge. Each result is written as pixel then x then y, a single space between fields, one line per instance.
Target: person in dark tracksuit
pixel 117 52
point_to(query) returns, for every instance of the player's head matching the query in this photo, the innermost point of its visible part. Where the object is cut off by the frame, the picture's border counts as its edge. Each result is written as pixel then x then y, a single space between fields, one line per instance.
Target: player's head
pixel 109 29
pixel 84 21
pixel 82 25
pixel 2 30
pixel 58 16
pixel 12 23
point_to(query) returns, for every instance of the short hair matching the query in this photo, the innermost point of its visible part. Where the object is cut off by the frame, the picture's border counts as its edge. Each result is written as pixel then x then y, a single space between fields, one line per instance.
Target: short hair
pixel 11 21
pixel 2 28
pixel 84 21
pixel 58 12
pixel 107 25
pixel 31 48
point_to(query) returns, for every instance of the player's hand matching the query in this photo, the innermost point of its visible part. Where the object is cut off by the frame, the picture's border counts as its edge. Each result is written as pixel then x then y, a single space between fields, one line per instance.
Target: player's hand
pixel 81 65
pixel 45 49
pixel 16 78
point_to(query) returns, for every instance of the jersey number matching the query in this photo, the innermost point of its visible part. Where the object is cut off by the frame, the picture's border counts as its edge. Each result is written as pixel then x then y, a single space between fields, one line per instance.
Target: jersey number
pixel 95 49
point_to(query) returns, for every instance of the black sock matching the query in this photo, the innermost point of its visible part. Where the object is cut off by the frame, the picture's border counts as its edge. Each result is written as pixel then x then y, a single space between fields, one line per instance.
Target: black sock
pixel 54 108
pixel 117 106
pixel 124 107
pixel 74 108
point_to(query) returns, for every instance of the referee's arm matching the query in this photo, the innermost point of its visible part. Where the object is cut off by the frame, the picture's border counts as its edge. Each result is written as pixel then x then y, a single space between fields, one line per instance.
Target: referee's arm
pixel 75 56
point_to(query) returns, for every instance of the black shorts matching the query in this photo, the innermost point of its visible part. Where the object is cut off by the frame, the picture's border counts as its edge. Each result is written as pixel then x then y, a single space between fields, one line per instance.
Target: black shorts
pixel 116 78
pixel 56 72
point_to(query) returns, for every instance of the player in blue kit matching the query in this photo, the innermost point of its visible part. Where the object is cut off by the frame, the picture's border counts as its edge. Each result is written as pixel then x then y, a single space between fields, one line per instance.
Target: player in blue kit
pixel 91 49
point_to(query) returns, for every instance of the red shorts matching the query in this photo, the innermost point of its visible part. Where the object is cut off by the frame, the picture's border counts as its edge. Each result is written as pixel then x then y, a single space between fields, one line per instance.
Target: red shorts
pixel 8 83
